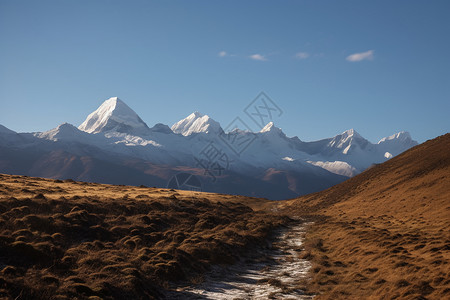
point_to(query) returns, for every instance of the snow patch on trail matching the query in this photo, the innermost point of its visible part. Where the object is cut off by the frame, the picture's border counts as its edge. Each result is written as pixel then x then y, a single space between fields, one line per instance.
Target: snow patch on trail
pixel 275 275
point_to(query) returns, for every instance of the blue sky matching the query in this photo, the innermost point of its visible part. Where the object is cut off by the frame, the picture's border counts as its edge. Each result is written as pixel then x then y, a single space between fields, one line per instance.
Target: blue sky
pixel 376 66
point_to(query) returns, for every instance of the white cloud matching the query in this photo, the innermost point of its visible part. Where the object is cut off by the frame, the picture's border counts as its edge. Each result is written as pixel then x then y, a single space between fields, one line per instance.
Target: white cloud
pixel 368 55
pixel 222 54
pixel 258 57
pixel 302 55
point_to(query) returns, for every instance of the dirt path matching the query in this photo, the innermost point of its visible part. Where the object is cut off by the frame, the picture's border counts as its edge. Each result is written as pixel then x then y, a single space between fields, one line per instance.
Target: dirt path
pixel 272 276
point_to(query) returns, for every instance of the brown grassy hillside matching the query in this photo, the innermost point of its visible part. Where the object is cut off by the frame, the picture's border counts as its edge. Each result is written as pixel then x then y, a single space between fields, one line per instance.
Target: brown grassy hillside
pixel 384 234
pixel 70 239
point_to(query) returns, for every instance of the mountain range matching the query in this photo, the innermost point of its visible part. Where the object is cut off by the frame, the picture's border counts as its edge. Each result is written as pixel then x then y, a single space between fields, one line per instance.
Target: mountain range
pixel 114 145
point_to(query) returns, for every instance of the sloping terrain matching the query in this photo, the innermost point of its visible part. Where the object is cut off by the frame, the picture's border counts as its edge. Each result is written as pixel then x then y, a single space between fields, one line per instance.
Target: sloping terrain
pixel 65 239
pixel 385 233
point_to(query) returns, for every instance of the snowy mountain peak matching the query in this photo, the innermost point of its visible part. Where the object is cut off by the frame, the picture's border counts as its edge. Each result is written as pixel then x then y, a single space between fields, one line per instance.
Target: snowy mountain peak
pixel 270 127
pixel 351 133
pixel 64 131
pixel 397 143
pixel 348 140
pixel 66 126
pixel 401 136
pixel 196 123
pixel 113 115
pixel 196 114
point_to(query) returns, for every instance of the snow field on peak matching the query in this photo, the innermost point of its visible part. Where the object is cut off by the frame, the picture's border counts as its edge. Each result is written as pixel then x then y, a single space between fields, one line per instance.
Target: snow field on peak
pixel 112 112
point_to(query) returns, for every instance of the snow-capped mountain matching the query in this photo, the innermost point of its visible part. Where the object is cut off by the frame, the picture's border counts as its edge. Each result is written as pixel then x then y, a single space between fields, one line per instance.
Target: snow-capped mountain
pixel 348 141
pixel 113 115
pixel 114 145
pixel 197 123
pixel 396 143
pixel 66 132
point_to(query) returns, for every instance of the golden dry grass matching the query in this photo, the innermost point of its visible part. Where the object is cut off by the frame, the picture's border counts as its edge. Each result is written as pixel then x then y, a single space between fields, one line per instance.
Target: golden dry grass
pixel 65 239
pixel 384 234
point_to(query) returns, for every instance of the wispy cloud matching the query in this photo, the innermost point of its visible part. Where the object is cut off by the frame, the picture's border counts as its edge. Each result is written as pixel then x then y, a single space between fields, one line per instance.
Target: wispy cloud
pixel 222 54
pixel 368 55
pixel 301 55
pixel 257 56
